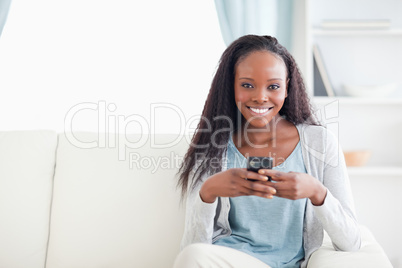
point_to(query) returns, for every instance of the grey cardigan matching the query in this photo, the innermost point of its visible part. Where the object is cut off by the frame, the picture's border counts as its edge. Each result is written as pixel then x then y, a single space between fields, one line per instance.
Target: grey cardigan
pixel 323 158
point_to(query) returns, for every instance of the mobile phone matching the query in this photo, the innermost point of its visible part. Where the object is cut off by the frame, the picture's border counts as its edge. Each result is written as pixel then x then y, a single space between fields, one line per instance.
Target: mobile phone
pixel 255 163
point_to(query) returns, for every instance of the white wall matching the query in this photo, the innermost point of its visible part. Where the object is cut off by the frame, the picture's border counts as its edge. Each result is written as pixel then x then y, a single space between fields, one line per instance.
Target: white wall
pixel 56 54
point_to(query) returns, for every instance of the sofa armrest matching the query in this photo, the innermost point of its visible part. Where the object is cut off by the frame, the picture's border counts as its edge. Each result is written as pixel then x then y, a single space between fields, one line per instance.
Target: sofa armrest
pixel 370 254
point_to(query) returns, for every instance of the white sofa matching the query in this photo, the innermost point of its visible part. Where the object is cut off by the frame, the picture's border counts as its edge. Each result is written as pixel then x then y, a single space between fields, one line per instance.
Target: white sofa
pixel 86 200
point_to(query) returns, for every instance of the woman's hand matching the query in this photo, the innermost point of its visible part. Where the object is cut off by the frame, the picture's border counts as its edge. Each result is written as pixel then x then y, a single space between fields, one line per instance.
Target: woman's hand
pixel 295 185
pixel 232 183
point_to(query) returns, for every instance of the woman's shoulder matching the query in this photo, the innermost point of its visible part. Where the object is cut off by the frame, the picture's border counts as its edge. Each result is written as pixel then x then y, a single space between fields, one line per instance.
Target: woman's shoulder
pixel 313 131
pixel 305 128
pixel 317 137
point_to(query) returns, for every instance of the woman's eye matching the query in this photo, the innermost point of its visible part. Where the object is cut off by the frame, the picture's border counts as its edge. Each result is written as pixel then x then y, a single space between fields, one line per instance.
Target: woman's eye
pixel 246 85
pixel 274 87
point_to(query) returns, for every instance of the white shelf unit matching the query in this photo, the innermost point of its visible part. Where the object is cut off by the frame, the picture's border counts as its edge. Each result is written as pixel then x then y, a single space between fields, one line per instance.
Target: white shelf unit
pixel 376 171
pixel 358 101
pixel 360 122
pixel 370 49
pixel 366 124
pixel 361 57
pixel 327 32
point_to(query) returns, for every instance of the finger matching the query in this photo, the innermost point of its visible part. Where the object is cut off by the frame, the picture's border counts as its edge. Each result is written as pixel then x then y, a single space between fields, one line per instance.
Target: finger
pixel 268 196
pixel 274 174
pixel 259 187
pixel 285 190
pixel 271 184
pixel 264 195
pixel 249 192
pixel 285 194
pixel 250 175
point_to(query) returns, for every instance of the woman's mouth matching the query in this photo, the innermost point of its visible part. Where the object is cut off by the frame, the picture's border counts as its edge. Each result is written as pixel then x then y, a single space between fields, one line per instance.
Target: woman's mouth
pixel 260 111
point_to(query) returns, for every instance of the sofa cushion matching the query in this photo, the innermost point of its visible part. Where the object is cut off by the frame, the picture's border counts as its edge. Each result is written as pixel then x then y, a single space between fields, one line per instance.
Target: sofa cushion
pixel 116 206
pixel 27 160
pixel 370 254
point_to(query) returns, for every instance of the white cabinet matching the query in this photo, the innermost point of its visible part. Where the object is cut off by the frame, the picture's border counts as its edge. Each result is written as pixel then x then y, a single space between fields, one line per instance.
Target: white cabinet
pixel 358 56
pixel 367 124
pixel 361 57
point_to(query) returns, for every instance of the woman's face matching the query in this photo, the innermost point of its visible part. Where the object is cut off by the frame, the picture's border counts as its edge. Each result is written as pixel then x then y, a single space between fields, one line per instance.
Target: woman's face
pixel 260 87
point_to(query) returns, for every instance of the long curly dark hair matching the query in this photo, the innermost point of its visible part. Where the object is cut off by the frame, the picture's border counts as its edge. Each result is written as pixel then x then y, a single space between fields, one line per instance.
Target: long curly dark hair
pixel 221 115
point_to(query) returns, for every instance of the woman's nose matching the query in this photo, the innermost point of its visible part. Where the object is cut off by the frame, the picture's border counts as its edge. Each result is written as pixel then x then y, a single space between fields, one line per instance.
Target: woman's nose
pixel 260 95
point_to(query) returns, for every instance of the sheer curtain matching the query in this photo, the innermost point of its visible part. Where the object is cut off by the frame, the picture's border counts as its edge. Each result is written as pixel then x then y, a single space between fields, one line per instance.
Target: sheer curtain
pixel 4 7
pixel 262 17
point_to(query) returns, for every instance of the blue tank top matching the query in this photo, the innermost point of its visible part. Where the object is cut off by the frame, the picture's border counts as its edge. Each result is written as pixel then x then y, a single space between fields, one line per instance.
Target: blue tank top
pixel 268 229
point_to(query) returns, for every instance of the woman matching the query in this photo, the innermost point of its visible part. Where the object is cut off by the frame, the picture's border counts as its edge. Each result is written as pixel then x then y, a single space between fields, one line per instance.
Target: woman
pixel 258 106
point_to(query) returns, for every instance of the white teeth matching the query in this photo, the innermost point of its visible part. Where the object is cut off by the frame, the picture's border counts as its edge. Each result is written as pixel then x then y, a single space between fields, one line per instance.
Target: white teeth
pixel 259 111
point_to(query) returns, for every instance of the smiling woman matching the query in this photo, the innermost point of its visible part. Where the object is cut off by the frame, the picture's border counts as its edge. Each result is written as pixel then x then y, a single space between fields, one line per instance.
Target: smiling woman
pixel 260 87
pixel 239 218
pixel 130 53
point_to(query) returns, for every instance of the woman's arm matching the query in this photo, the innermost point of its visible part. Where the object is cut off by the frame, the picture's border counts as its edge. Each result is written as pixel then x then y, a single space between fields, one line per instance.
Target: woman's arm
pixel 199 218
pixel 331 199
pixel 203 200
pixel 337 213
